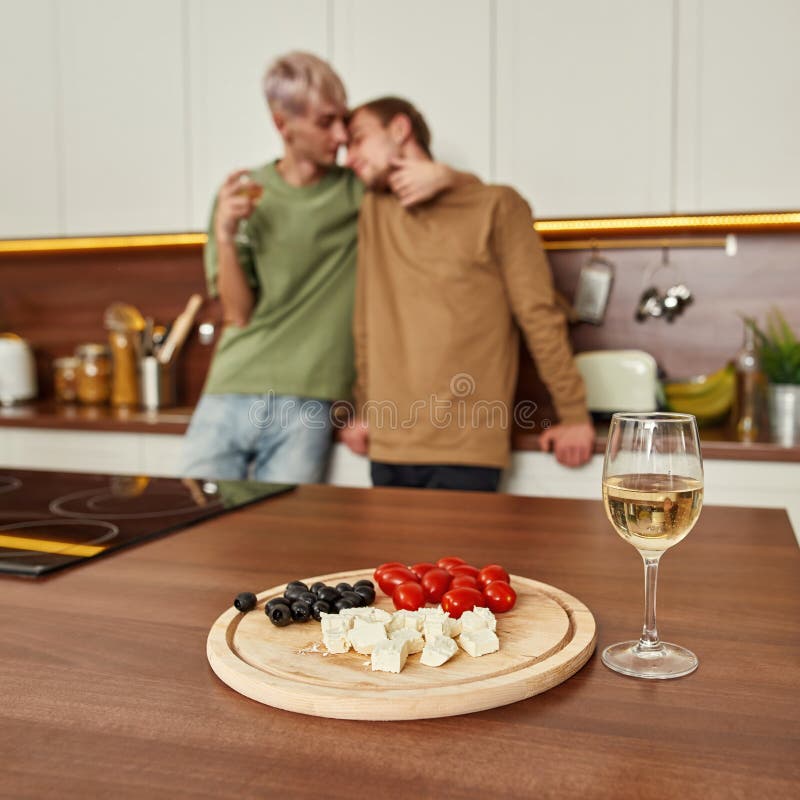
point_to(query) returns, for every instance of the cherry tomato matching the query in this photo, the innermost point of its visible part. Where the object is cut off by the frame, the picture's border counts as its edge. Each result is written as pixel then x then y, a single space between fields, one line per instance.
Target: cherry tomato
pixel 492 572
pixel 435 582
pixel 409 596
pixel 383 567
pixel 457 601
pixel 464 569
pixel 499 596
pixel 464 582
pixel 420 569
pixel 449 561
pixel 393 577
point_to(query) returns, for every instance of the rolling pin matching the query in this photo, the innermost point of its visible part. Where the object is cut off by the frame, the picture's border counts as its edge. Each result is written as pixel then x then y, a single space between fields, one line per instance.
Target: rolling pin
pixel 180 330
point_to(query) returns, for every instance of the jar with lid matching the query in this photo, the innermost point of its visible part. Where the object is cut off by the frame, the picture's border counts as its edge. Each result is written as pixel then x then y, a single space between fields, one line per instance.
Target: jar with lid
pixel 65 379
pixel 94 373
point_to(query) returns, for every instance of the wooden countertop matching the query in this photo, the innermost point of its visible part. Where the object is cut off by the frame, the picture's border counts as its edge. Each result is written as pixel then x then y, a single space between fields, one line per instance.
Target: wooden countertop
pixel 52 415
pixel 107 691
pixel 717 442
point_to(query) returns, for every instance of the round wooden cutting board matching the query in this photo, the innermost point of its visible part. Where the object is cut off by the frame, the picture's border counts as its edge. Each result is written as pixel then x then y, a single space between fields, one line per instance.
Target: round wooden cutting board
pixel 547 637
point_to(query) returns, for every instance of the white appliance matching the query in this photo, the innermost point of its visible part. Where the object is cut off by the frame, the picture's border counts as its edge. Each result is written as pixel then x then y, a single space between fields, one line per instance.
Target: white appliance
pixel 619 380
pixel 17 370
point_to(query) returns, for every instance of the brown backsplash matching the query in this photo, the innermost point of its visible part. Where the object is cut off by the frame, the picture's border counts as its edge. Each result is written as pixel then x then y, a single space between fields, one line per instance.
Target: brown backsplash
pixel 56 301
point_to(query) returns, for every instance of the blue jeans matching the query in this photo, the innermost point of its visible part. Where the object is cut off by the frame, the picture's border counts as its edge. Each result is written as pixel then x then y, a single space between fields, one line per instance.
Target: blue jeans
pixel 264 437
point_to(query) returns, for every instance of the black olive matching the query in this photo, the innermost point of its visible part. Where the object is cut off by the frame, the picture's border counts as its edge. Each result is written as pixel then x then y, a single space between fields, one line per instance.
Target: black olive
pixel 320 607
pixel 280 614
pixel 363 582
pixel 343 603
pixel 367 592
pixel 315 587
pixel 308 597
pixel 328 594
pixel 301 611
pixel 294 592
pixel 284 601
pixel 356 599
pixel 303 586
pixel 246 601
pixel 343 587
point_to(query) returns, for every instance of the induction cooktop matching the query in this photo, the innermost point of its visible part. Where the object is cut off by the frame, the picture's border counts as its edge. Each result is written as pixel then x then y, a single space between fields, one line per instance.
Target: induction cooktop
pixel 53 520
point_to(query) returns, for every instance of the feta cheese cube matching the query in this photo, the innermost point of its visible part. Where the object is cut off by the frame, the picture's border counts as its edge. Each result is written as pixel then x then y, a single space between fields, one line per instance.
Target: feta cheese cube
pixel 389 655
pixel 440 623
pixel 335 623
pixel 479 642
pixel 438 650
pixel 368 614
pixel 404 619
pixel 365 636
pixel 477 619
pixel 412 638
pixel 336 642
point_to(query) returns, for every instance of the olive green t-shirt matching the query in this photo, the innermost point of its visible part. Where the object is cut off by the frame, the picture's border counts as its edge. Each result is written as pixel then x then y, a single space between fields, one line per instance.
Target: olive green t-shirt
pixel 300 261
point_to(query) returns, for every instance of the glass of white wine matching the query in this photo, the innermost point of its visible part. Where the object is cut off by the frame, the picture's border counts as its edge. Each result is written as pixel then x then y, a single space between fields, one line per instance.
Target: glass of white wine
pixel 652 493
pixel 254 191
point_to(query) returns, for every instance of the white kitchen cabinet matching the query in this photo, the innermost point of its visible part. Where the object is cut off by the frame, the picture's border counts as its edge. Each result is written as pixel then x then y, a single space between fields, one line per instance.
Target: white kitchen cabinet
pixel 124 132
pixel 584 105
pixel 738 119
pixel 30 175
pixel 230 45
pixel 437 55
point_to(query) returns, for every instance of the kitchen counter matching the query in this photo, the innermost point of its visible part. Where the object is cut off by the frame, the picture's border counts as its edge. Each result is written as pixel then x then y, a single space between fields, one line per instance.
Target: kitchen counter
pixel 49 414
pixel 108 691
pixel 718 442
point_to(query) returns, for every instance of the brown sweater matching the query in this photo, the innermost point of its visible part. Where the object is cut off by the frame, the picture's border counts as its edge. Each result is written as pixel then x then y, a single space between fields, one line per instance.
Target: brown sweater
pixel 440 291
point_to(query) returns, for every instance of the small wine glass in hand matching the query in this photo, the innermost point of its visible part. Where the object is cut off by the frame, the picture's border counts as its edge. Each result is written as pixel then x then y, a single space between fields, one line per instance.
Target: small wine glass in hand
pixel 251 189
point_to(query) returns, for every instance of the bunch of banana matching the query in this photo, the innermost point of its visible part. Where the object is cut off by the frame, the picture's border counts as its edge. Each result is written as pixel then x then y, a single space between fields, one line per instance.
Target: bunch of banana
pixel 708 397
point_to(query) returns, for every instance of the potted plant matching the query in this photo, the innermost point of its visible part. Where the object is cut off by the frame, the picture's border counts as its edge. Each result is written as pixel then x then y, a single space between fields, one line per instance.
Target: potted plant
pixel 779 353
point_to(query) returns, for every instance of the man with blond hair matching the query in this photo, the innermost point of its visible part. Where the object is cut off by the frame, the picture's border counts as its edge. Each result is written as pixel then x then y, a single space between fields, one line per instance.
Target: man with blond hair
pixel 281 258
pixel 442 293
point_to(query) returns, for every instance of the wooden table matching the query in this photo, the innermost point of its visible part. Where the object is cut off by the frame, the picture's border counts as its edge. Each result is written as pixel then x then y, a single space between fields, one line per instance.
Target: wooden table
pixel 107 692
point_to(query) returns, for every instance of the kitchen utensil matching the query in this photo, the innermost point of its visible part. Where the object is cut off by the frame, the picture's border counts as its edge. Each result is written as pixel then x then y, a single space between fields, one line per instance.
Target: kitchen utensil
pixel 594 287
pixel 17 370
pixel 653 494
pixel 180 330
pixel 157 384
pixel 655 303
pixel 546 638
pixel 619 380
pixel 123 317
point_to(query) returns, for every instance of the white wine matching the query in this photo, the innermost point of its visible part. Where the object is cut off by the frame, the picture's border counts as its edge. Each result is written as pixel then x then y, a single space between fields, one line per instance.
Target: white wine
pixel 652 512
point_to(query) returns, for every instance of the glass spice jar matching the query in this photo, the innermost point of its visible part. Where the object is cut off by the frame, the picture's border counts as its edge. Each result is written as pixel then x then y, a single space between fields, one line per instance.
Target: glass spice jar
pixel 94 374
pixel 65 379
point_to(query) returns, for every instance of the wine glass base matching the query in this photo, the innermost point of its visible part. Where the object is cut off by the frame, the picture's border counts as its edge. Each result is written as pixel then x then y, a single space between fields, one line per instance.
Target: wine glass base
pixel 665 661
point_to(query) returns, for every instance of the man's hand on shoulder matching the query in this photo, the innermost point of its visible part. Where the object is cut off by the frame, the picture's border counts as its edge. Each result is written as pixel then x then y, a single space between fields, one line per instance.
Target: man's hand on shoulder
pixel 356 436
pixel 573 445
pixel 414 181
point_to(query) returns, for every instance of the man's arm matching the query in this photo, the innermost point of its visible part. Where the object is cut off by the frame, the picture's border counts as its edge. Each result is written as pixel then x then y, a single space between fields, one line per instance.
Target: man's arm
pixel 414 181
pixel 356 433
pixel 232 285
pixel 529 287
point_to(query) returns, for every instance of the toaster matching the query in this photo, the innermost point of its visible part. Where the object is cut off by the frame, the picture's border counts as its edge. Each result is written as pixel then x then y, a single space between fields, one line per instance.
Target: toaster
pixel 17 370
pixel 619 380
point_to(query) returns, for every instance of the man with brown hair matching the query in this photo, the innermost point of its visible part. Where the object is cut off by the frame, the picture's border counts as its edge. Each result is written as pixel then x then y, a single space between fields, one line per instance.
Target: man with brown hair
pixel 442 291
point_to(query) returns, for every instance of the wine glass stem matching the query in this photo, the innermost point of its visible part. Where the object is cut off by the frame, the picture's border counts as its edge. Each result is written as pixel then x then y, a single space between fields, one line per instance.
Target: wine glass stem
pixel 649 639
